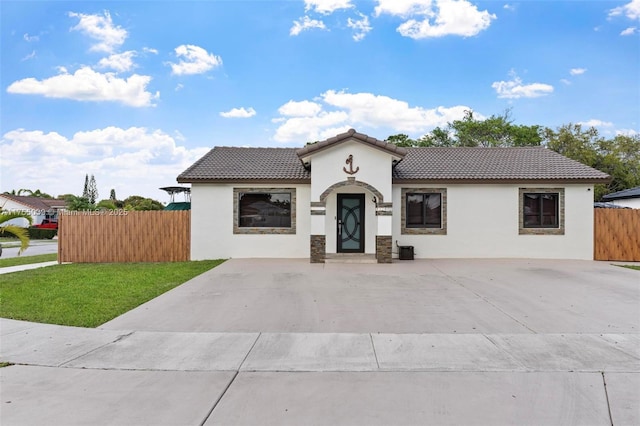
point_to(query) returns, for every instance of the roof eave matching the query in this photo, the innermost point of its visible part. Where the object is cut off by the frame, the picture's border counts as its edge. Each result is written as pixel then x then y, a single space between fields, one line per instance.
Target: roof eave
pixel 500 181
pixel 245 181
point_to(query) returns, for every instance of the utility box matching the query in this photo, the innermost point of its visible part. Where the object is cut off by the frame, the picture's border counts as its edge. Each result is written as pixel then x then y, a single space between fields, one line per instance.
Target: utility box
pixel 405 252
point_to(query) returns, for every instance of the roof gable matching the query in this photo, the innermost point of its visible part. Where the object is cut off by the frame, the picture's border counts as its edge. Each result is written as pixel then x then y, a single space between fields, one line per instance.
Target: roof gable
pixel 351 135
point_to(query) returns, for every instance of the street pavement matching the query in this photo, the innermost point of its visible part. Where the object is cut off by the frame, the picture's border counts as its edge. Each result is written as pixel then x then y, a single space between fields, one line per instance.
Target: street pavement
pixel 35 247
pixel 553 343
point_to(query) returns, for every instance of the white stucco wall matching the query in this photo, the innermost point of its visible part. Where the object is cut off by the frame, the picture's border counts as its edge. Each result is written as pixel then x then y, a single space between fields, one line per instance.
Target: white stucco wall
pixel 212 234
pixel 634 203
pixel 482 222
pixel 327 168
pixel 37 216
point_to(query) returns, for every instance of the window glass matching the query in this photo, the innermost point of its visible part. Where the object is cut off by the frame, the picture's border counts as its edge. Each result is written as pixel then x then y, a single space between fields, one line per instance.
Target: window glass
pixel 423 210
pixel 540 210
pixel 264 210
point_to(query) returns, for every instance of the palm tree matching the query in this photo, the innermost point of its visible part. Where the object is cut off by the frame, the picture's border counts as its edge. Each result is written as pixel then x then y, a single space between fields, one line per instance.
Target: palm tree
pixel 17 231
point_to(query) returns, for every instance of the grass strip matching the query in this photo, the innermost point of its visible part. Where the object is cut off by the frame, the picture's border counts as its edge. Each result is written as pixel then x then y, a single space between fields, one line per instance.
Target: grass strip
pixel 637 268
pixel 26 260
pixel 87 294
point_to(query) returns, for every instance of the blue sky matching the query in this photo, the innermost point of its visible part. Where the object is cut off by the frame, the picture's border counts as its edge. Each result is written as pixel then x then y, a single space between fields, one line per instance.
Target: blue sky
pixel 134 92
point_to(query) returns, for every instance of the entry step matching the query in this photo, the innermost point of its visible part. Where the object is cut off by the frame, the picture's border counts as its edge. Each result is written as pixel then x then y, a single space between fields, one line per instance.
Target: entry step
pixel 350 258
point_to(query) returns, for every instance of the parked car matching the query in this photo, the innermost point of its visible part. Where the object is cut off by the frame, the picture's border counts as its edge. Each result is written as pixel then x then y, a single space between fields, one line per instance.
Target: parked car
pixel 47 224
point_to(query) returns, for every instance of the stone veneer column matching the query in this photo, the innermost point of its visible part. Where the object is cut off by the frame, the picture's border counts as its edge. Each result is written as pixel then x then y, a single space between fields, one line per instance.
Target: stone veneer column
pixel 318 249
pixel 383 248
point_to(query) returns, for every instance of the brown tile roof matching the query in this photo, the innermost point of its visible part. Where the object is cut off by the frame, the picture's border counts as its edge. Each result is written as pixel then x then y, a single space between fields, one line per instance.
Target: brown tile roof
pixel 492 164
pixel 352 134
pixel 223 164
pixel 36 203
pixel 229 164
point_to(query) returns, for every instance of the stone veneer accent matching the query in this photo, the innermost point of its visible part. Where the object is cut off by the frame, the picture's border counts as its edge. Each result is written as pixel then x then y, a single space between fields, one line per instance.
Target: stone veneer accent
pixel 383 248
pixel 259 230
pixel 422 231
pixel 318 248
pixel 384 209
pixel 318 208
pixel 349 182
pixel 541 231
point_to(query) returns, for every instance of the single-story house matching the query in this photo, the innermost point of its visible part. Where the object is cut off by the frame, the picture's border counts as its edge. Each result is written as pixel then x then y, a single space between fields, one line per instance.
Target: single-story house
pixel 39 208
pixel 356 194
pixel 625 198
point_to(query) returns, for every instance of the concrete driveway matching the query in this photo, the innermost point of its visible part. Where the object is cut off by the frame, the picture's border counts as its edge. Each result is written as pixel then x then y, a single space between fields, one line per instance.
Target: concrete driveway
pixel 423 296
pixel 276 342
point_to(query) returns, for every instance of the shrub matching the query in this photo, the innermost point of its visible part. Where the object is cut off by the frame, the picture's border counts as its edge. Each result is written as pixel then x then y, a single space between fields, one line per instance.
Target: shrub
pixel 42 234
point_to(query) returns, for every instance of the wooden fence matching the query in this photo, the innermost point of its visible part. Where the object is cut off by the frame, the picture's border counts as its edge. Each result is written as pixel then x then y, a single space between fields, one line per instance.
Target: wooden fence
pixel 617 234
pixel 124 236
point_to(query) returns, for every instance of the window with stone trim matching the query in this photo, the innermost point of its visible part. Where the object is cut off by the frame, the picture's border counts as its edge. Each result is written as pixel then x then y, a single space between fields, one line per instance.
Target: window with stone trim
pixel 424 211
pixel 264 211
pixel 541 211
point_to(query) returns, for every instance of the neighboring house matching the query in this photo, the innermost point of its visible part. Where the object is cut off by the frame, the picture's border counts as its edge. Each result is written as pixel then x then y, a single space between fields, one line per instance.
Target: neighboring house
pixel 356 194
pixel 625 198
pixel 39 208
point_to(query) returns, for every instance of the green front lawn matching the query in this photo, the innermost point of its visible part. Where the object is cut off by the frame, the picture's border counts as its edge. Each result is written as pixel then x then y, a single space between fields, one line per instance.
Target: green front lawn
pixel 25 260
pixel 87 294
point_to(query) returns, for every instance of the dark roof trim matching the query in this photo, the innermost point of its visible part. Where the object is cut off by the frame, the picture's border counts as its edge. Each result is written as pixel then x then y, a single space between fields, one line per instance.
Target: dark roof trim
pixel 245 181
pixel 498 181
pixel 351 134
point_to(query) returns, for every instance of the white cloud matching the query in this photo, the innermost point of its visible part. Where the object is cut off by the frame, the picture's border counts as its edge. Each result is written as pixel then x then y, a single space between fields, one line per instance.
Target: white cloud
pixel 300 109
pixel 631 10
pixel 309 121
pixel 102 29
pixel 150 50
pixel 595 123
pixel 29 56
pixel 437 18
pixel 403 8
pixel 326 7
pixel 195 60
pixel 120 62
pixel 509 7
pixel 629 31
pixel 577 71
pixel 29 38
pixel 305 23
pixel 179 87
pixel 627 132
pixel 239 113
pixel 88 85
pixel 360 26
pixel 116 156
pixel 515 89
pixel 565 81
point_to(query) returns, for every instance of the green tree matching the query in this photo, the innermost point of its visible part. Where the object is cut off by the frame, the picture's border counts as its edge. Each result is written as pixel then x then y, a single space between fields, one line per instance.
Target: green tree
pixel 85 190
pixel 92 190
pixel 19 232
pixel 106 205
pixel 112 195
pixel 401 140
pixel 136 202
pixel 29 192
pixel 79 203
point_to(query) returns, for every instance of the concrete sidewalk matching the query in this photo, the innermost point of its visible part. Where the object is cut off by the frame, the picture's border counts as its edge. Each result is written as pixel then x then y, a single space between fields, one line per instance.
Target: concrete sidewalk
pixel 344 378
pixel 18 268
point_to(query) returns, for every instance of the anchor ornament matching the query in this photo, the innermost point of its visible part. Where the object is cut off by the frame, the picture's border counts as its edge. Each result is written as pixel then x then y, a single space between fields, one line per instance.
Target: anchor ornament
pixel 350 163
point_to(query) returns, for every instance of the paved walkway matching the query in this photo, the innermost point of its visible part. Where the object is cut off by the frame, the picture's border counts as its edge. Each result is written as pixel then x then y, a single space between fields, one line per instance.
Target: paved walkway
pixel 504 374
pixel 18 268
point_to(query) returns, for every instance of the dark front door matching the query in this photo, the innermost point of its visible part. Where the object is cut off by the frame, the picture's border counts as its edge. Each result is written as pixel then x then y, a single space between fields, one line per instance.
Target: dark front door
pixel 350 223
